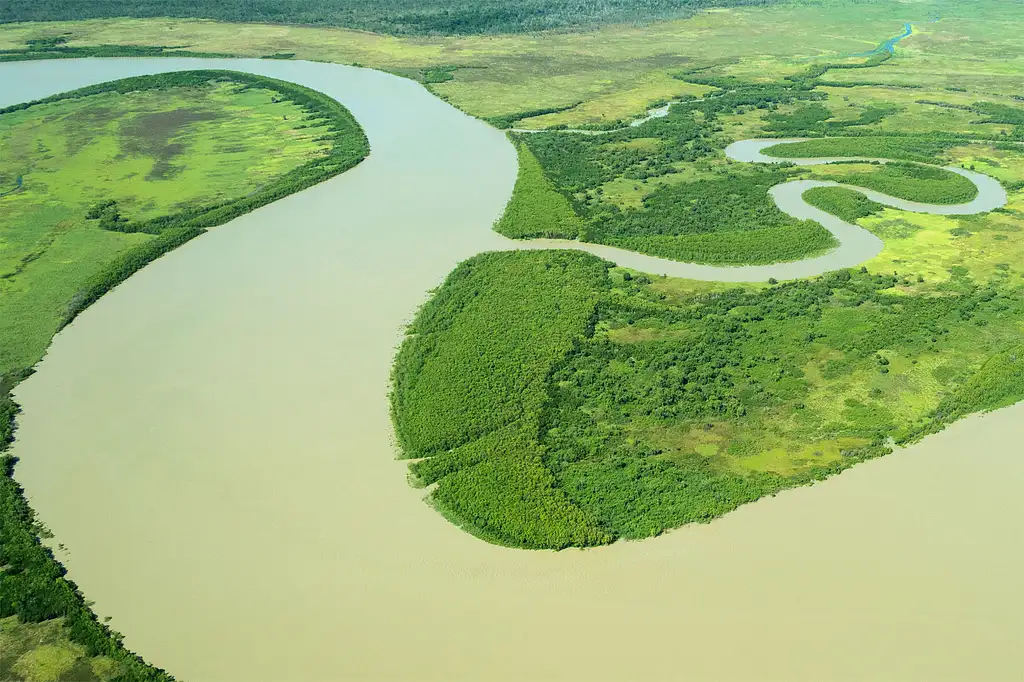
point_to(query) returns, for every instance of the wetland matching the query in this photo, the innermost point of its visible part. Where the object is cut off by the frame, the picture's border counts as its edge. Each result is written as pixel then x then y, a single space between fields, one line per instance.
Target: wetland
pixel 243 419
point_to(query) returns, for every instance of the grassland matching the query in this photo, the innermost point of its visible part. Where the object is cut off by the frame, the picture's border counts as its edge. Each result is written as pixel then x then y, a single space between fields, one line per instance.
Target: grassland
pixel 616 72
pixel 96 184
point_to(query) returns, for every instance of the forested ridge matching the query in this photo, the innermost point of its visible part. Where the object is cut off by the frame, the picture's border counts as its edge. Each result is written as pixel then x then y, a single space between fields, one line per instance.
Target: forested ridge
pixel 636 412
pixel 33 586
pixel 448 17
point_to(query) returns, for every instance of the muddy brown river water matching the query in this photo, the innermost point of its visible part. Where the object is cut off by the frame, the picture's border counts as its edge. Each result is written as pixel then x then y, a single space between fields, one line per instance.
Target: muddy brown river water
pixel 211 441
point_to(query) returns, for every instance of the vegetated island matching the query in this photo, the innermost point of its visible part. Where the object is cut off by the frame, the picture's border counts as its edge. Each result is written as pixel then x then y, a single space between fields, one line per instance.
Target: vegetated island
pixel 111 177
pixel 554 400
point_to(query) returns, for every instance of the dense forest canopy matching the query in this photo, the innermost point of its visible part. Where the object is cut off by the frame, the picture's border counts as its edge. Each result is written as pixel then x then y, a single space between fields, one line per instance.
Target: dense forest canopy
pixel 555 402
pixel 384 16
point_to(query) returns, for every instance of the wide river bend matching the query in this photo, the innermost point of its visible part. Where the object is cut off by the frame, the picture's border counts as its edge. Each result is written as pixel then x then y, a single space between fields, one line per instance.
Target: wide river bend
pixel 211 440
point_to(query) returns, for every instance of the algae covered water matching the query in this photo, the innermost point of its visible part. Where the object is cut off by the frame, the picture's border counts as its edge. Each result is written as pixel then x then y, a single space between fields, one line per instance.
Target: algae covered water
pixel 212 443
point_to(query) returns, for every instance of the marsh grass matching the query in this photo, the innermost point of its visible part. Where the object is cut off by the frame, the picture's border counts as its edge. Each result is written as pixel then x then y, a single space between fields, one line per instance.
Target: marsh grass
pixel 114 176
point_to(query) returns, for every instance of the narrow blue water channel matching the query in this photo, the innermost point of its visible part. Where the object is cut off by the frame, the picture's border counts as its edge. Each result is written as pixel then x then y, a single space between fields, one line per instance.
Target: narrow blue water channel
pixel 888 46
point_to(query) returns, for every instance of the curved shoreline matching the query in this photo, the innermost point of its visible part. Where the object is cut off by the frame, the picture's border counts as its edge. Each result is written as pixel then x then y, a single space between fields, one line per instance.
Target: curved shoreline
pixel 232 441
pixel 856 245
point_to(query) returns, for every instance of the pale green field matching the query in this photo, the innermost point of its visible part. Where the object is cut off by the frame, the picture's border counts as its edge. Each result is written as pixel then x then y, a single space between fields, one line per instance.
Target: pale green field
pixel 618 71
pixel 154 152
pixel 41 652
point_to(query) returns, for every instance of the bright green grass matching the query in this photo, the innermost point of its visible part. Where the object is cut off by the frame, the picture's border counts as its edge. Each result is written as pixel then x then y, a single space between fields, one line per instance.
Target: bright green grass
pixel 42 652
pixel 168 156
pixel 154 152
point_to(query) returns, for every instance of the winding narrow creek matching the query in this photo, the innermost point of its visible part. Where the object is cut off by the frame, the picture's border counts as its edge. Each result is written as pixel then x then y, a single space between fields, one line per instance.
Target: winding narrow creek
pixel 212 442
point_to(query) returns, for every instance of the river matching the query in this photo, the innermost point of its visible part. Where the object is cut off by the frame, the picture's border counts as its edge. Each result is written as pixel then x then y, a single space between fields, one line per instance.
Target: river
pixel 212 442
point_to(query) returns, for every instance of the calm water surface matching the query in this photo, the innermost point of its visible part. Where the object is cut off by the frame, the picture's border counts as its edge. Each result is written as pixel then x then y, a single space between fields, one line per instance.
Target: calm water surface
pixel 211 441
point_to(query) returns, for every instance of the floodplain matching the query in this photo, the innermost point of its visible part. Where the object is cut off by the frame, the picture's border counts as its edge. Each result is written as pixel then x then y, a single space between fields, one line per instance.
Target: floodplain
pixel 554 398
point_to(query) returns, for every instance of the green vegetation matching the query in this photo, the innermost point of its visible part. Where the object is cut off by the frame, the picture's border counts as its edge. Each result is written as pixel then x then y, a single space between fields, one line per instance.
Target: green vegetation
pixel 63 52
pixel 469 384
pixel 848 204
pixel 921 149
pixel 727 219
pixel 110 177
pixel 447 17
pixel 913 182
pixel 205 147
pixel 814 119
pixel 642 409
pixel 683 400
pixel 536 209
pixel 723 216
pixel 508 120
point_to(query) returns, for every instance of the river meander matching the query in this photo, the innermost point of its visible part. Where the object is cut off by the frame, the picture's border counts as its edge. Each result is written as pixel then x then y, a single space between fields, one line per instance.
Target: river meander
pixel 212 442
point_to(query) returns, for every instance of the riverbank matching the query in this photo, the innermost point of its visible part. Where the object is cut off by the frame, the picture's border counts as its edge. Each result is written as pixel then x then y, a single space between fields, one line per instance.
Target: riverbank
pixel 78 230
pixel 206 490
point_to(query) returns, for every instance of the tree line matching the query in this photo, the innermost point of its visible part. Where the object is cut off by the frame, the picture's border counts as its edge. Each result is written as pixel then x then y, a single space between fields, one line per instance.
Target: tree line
pixel 401 17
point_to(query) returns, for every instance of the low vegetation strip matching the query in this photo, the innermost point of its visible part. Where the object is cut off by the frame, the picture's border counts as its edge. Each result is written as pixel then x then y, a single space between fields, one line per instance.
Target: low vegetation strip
pixel 174 154
pixel 63 52
pixel 899 148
